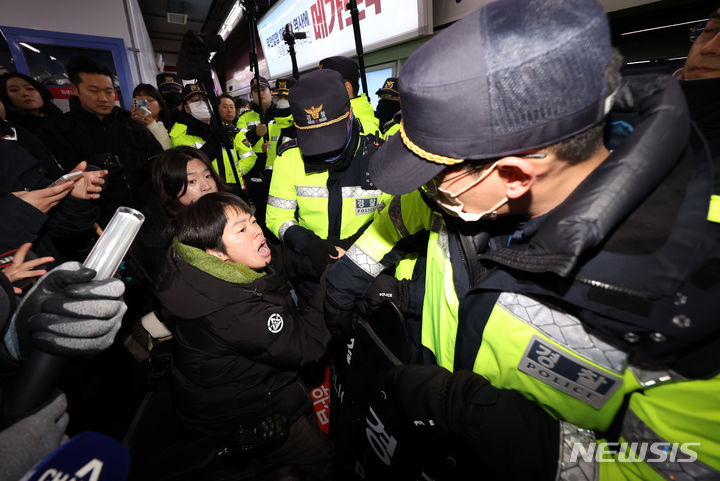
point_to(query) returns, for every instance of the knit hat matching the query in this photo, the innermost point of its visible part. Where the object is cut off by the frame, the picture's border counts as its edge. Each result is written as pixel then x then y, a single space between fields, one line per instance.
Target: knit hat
pixel 527 73
pixel 320 106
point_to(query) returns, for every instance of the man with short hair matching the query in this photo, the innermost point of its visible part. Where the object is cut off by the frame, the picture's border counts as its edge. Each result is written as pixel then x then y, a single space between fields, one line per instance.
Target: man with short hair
pixel 104 135
pixel 572 291
pixel 226 109
pixel 362 109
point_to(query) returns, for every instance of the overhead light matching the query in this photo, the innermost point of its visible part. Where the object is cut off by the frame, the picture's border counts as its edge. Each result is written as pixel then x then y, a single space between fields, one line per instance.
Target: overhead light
pixel 662 27
pixel 52 58
pixel 29 47
pixel 231 21
pixel 177 18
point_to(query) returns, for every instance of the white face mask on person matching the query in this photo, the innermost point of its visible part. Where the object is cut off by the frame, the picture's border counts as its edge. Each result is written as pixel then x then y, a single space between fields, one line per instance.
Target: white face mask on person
pixel 282 103
pixel 452 205
pixel 200 110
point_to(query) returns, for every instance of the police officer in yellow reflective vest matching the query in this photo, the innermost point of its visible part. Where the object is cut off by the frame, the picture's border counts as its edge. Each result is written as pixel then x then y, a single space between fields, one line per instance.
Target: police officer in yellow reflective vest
pixel 362 109
pixel 321 196
pixel 572 294
pixel 281 129
pixel 388 109
pixel 231 157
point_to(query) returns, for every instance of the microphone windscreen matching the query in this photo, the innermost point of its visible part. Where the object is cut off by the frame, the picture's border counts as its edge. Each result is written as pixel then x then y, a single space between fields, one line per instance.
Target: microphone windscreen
pixel 89 456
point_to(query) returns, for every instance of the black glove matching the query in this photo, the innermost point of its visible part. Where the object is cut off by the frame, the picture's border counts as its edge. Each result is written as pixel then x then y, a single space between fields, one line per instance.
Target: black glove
pixel 512 434
pixel 28 441
pixel 319 251
pixel 340 320
pixel 68 314
pixel 387 288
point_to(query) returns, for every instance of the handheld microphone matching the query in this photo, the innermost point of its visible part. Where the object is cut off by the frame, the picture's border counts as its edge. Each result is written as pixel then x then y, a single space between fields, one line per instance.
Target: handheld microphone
pixel 36 378
pixel 89 456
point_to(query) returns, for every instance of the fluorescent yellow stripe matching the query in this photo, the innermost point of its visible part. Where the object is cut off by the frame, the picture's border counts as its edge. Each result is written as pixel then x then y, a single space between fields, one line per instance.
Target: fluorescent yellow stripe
pixel 714 210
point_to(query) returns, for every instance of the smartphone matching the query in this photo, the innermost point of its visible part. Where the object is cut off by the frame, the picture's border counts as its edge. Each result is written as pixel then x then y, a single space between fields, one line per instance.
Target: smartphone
pixel 145 111
pixel 137 103
pixel 66 177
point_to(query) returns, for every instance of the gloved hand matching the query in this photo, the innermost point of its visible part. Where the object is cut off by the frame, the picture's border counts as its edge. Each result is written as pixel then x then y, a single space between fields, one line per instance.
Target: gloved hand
pixel 68 314
pixel 386 288
pixel 495 422
pixel 319 251
pixel 28 441
pixel 339 319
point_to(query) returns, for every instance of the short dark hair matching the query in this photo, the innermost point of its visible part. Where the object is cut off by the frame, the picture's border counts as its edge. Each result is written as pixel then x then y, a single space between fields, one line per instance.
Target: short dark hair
pixel 202 224
pixel 169 175
pixel 242 103
pixel 82 64
pixel 226 95
pixel 148 90
pixel 582 146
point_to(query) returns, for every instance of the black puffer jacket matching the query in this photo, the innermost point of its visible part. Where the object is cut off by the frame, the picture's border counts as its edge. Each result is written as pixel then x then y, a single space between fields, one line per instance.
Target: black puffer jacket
pixel 240 341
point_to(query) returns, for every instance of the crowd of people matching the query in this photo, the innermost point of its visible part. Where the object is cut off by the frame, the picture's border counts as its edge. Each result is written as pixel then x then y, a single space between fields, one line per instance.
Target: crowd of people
pixel 556 277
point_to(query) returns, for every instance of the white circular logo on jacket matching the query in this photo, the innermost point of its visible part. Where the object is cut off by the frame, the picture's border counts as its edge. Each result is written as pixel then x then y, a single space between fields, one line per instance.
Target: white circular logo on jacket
pixel 275 323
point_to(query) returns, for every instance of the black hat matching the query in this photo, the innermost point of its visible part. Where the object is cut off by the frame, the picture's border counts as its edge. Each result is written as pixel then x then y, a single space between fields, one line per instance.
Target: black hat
pixel 263 83
pixel 191 89
pixel 320 106
pixel 283 85
pixel 345 65
pixel 535 75
pixel 168 81
pixel 389 87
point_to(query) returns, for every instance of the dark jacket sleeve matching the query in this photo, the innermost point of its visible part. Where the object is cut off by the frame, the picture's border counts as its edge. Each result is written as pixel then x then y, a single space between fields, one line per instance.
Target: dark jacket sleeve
pixel 21 222
pixel 266 330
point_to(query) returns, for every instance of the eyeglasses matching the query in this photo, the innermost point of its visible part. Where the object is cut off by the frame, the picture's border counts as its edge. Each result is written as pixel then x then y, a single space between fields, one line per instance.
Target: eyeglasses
pixel 432 187
pixel 700 30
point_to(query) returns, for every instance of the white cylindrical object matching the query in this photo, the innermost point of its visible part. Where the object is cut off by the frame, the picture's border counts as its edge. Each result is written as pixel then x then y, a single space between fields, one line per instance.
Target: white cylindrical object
pixel 109 250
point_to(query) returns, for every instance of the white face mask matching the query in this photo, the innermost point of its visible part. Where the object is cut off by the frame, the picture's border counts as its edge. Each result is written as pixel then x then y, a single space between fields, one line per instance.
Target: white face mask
pixel 282 103
pixel 452 205
pixel 200 110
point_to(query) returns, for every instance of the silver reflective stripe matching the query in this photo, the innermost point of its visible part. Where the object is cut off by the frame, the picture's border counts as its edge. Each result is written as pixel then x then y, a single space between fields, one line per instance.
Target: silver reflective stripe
pixel 364 261
pixel 286 139
pixel 274 138
pixel 357 191
pixel 565 329
pixel 198 145
pixel 283 228
pixel 572 438
pixel 649 376
pixel 281 203
pixel 444 241
pixel 243 130
pixel 636 431
pixel 246 154
pixel 253 123
pixel 311 191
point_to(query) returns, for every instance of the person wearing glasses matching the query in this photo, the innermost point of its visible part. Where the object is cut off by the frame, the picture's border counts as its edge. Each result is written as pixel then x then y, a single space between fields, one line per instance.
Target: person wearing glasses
pixel 571 294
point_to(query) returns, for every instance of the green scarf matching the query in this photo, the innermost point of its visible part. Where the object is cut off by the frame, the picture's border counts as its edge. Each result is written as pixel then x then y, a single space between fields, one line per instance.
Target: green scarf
pixel 227 271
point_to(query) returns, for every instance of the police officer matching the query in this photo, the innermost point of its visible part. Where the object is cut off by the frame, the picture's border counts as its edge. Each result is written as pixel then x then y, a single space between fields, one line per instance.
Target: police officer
pixel 553 275
pixel 388 109
pixel 231 156
pixel 256 133
pixel 360 104
pixel 170 87
pixel 282 129
pixel 322 178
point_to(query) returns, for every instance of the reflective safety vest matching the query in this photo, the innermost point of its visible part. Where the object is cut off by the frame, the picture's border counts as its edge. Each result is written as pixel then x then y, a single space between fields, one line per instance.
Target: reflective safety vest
pixel 363 111
pixel 547 355
pixel 331 208
pixel 275 132
pixel 242 157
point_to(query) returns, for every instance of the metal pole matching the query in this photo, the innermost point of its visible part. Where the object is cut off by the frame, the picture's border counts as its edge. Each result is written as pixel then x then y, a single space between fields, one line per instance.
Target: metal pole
pixel 352 6
pixel 251 10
